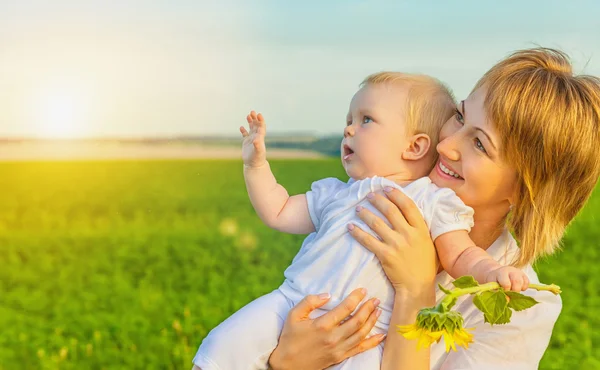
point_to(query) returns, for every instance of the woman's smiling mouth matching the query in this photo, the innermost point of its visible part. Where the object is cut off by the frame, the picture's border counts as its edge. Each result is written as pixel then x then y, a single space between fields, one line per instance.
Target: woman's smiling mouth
pixel 448 172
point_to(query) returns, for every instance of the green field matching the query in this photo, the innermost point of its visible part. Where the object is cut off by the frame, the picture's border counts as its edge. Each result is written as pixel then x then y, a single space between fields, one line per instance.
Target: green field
pixel 127 265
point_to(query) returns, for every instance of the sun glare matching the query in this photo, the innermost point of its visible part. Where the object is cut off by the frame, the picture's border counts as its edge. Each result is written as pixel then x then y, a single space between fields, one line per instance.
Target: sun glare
pixel 61 114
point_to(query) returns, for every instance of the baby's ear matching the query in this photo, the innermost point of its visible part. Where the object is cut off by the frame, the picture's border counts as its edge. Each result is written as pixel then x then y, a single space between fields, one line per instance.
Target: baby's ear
pixel 418 147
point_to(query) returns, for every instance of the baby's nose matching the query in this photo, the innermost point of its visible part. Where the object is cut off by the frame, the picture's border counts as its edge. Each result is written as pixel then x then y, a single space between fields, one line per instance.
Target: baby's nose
pixel 349 131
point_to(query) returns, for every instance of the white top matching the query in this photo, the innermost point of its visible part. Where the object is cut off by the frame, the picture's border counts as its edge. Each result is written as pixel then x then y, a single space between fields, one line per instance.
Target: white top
pixel 331 260
pixel 518 345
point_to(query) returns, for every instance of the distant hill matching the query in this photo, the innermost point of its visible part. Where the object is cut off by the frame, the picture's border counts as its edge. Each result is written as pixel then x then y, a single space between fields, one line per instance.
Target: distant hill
pixel 326 145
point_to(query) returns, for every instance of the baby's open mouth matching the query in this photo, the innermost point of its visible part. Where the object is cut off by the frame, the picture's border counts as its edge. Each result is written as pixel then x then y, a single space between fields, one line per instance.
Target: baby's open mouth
pixel 347 151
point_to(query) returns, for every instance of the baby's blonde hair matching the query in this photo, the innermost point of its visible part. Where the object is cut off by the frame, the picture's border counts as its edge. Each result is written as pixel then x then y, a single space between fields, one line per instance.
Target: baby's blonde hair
pixel 549 124
pixel 430 103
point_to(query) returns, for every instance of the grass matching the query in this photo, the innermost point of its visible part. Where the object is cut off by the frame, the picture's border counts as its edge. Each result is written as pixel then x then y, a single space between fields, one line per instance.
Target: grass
pixel 126 265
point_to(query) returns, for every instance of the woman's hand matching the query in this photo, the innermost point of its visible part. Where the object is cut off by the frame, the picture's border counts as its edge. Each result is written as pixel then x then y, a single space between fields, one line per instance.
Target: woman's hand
pixel 329 339
pixel 405 251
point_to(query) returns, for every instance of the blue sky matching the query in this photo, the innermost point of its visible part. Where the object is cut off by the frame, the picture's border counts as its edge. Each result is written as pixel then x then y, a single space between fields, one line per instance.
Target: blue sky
pixel 169 68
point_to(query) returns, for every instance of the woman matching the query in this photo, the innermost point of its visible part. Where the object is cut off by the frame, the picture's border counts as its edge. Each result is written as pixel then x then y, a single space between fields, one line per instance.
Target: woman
pixel 525 144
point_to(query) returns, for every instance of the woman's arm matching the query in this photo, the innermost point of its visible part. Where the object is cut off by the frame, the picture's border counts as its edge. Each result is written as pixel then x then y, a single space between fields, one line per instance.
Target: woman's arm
pixel 399 352
pixel 408 257
pixel 307 344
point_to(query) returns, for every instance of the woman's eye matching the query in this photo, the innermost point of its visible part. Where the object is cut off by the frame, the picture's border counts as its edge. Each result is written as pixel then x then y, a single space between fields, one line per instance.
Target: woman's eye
pixel 367 119
pixel 459 117
pixel 479 145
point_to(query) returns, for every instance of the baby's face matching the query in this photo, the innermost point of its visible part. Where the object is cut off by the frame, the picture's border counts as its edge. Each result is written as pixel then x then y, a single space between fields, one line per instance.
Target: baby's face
pixel 375 134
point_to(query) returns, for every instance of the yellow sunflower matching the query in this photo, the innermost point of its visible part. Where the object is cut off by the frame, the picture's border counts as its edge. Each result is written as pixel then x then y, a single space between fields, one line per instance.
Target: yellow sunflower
pixel 432 325
pixel 460 337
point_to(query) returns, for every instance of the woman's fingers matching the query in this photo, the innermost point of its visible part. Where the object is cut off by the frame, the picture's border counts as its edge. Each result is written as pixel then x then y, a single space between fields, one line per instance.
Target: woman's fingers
pixel 409 209
pixel 359 335
pixel 362 321
pixel 340 312
pixel 378 225
pixel 367 240
pixel 366 344
pixel 389 210
pixel 307 305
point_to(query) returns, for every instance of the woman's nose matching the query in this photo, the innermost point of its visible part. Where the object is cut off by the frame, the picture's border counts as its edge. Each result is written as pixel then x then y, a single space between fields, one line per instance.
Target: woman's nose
pixel 349 131
pixel 448 149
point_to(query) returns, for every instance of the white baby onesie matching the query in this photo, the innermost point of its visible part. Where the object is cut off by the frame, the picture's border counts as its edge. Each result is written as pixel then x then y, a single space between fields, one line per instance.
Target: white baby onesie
pixel 330 260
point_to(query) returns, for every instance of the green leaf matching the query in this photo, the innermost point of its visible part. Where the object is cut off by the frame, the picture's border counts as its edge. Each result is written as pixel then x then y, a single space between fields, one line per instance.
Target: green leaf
pixel 443 289
pixel 477 301
pixel 493 305
pixel 520 302
pixel 465 282
pixel 505 317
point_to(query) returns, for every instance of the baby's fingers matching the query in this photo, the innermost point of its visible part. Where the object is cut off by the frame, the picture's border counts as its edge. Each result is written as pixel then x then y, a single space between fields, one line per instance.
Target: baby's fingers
pixel 504 281
pixel 250 120
pixel 261 127
pixel 244 131
pixel 517 282
pixel 526 282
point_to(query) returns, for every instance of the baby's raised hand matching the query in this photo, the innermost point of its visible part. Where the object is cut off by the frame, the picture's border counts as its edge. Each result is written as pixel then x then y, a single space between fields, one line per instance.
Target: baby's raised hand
pixel 254 152
pixel 510 278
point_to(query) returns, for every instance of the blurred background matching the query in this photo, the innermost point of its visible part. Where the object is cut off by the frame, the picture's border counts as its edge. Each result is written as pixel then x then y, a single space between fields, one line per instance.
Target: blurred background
pixel 126 232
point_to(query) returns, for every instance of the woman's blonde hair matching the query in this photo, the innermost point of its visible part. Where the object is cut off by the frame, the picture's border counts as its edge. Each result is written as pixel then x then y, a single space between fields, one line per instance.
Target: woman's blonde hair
pixel 430 103
pixel 549 124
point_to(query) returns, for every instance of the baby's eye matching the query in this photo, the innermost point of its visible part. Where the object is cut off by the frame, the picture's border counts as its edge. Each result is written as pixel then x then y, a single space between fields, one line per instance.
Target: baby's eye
pixel 349 123
pixel 367 119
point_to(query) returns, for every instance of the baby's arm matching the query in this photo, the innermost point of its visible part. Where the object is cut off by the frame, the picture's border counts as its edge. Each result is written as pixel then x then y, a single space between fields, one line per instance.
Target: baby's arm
pixel 270 200
pixel 273 204
pixel 460 256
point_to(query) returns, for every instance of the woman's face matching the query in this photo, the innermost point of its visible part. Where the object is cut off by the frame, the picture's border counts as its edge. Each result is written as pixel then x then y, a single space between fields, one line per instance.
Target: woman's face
pixel 470 162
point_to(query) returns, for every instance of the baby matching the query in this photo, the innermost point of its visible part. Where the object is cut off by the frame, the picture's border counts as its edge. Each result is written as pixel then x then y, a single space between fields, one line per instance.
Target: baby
pixel 391 131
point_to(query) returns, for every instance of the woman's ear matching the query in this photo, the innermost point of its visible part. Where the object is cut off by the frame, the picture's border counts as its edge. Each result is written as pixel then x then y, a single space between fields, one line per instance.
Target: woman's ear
pixel 418 147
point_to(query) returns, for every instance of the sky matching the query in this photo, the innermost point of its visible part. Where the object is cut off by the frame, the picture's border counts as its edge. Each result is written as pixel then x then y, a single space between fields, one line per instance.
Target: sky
pixel 174 68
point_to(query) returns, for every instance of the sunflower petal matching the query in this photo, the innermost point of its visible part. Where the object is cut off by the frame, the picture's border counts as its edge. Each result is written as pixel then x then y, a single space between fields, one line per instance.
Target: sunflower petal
pixel 449 342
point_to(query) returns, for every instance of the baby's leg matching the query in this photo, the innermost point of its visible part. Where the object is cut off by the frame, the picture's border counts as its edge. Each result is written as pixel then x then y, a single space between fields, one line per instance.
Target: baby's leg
pixel 368 360
pixel 246 339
